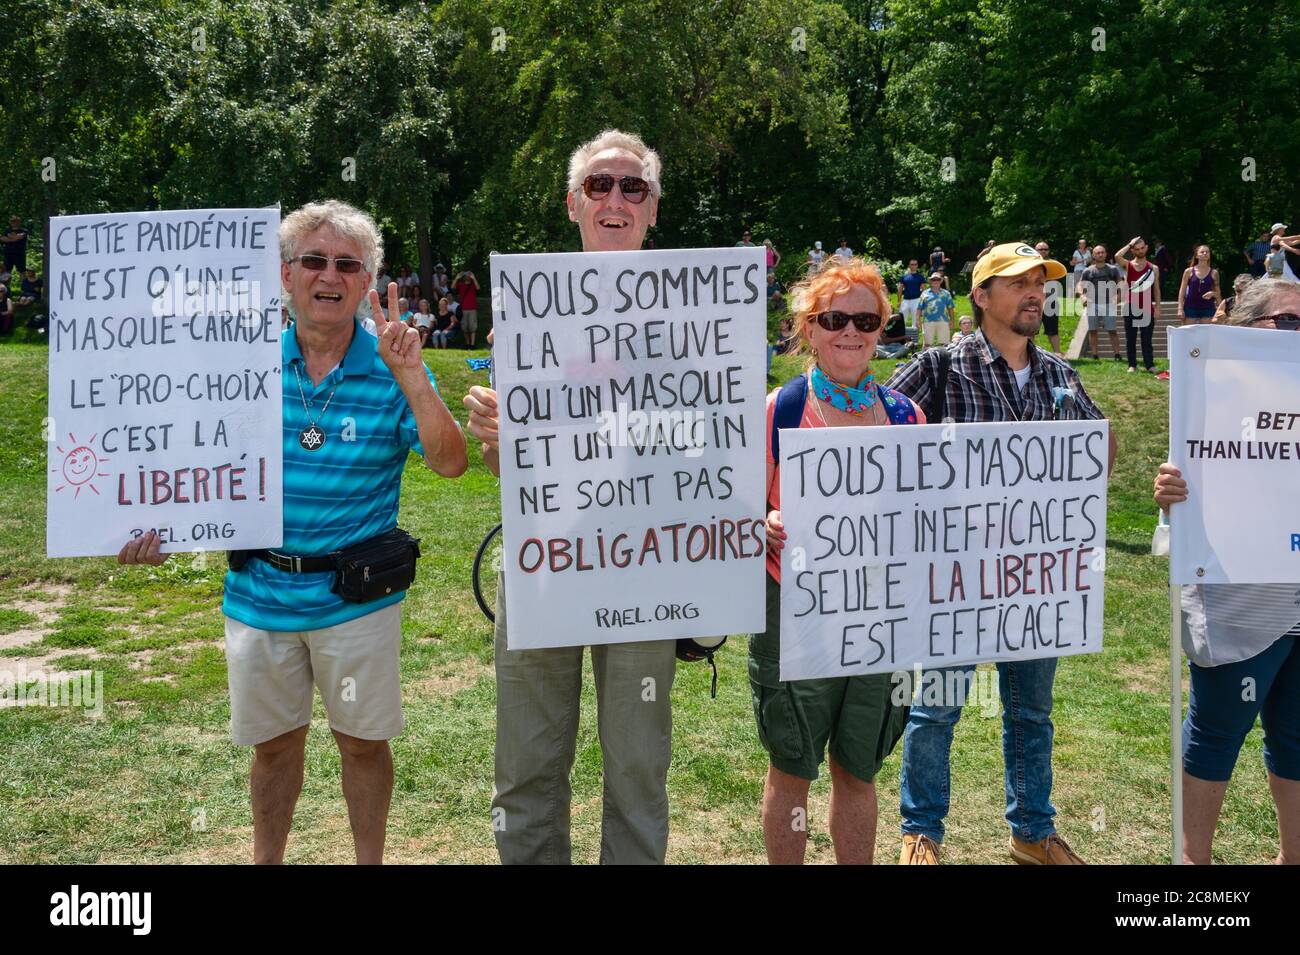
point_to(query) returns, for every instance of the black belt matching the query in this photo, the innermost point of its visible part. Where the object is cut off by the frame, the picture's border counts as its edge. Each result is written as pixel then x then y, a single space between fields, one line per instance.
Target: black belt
pixel 293 564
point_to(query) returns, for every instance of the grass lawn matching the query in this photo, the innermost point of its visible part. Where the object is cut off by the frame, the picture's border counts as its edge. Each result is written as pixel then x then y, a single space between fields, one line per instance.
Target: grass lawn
pixel 156 778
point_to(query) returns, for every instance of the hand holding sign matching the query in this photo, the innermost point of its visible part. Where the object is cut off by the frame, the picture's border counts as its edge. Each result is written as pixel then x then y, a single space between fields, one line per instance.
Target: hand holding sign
pixel 775 532
pixel 145 549
pixel 399 344
pixel 1170 486
pixel 484 415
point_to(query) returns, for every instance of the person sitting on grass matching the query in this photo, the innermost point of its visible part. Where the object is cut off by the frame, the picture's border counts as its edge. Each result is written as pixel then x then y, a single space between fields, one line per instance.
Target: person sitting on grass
pixel 893 341
pixel 422 322
pixel 6 310
pixel 32 288
pixel 444 323
pixel 1238 635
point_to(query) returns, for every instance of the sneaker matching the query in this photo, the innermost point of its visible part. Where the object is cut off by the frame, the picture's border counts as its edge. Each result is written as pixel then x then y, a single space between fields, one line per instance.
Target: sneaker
pixel 1163 376
pixel 1050 851
pixel 1131 369
pixel 918 850
pixel 1151 370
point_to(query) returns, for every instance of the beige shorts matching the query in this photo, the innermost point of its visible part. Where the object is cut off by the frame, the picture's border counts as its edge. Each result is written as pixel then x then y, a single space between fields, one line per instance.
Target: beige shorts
pixel 272 672
pixel 469 319
pixel 936 333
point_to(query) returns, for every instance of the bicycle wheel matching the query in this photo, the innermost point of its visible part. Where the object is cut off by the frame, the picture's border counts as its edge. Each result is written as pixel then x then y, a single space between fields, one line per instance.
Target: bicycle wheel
pixel 487 563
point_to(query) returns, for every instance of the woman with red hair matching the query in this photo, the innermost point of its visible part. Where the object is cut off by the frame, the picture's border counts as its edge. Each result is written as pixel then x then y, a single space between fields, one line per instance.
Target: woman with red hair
pixel 838 315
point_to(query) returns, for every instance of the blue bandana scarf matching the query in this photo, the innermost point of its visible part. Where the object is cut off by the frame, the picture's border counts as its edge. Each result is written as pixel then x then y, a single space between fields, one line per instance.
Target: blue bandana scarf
pixel 853 400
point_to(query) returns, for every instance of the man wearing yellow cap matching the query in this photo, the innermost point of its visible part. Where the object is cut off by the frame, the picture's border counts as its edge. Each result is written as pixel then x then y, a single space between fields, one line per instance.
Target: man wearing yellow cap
pixel 995 374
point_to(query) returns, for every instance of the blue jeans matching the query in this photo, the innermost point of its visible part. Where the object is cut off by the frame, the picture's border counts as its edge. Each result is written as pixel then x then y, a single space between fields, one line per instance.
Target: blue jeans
pixel 1026 691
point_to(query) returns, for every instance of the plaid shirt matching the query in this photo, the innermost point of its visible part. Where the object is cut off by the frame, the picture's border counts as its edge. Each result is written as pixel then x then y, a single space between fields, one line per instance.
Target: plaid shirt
pixel 982 387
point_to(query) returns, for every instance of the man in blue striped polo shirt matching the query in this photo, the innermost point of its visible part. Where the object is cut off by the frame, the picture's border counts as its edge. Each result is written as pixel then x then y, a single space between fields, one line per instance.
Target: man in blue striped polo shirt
pixel 354 407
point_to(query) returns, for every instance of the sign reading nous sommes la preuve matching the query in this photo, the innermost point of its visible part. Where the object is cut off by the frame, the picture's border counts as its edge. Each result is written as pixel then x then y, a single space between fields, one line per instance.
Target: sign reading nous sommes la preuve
pixel 164 381
pixel 1234 432
pixel 938 545
pixel 631 392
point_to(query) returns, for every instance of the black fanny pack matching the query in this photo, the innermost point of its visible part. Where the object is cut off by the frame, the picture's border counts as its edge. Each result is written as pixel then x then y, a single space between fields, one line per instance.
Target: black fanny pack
pixel 366 571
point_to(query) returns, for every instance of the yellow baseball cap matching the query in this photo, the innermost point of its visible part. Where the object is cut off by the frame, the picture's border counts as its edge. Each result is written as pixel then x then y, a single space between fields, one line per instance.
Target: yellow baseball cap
pixel 1013 258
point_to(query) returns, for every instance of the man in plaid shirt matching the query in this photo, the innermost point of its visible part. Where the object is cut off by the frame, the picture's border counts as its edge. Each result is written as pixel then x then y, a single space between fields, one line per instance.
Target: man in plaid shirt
pixel 996 374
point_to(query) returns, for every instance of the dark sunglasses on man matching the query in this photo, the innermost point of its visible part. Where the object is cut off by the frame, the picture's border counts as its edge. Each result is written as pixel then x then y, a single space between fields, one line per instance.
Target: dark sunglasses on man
pixel 1286 321
pixel 319 263
pixel 601 184
pixel 862 321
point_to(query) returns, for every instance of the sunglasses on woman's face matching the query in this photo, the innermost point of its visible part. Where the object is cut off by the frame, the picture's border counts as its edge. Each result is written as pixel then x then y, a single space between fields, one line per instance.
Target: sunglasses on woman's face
pixel 1287 321
pixel 601 184
pixel 319 263
pixel 862 321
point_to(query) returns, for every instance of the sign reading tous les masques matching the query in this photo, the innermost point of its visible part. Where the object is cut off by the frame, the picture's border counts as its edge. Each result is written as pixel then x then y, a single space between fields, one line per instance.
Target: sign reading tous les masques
pixel 631 393
pixel 1234 432
pixel 938 545
pixel 164 390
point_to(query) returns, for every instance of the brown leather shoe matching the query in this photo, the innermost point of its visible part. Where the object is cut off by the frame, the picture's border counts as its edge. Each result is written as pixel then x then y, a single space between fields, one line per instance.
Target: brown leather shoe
pixel 1050 851
pixel 918 850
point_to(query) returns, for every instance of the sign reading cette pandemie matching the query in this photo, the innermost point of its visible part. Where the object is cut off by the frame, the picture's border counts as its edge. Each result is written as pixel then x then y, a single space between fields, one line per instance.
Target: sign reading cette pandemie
pixel 164 381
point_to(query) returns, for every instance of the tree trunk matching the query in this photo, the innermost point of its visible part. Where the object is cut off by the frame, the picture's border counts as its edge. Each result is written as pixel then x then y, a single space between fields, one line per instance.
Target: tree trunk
pixel 1130 215
pixel 422 240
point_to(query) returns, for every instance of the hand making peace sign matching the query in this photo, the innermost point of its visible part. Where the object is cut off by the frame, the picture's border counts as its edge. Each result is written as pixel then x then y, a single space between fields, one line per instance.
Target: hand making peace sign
pixel 399 344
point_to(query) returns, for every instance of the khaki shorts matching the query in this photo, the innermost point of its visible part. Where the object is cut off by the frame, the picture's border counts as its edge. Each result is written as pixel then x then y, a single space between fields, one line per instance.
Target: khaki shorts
pixel 272 672
pixel 469 319
pixel 936 333
pixel 1098 322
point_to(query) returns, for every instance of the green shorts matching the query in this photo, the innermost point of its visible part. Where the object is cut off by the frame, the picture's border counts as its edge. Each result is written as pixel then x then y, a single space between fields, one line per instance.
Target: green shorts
pixel 797 718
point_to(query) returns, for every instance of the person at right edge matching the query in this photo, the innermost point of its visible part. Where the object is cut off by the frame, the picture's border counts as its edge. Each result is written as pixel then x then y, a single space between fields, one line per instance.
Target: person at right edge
pixel 614 198
pixel 1238 636
pixel 996 374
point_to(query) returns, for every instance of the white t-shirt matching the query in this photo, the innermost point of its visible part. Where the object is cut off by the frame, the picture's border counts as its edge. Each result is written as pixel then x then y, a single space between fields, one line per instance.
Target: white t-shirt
pixel 423 319
pixel 816 256
pixel 1022 377
pixel 844 252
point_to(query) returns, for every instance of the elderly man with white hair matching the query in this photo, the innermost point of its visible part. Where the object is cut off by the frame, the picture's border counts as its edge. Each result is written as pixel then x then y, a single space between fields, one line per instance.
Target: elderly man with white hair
pixel 613 197
pixel 354 408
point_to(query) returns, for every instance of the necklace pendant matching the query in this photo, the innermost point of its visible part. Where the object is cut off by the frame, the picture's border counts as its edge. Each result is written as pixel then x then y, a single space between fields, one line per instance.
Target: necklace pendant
pixel 312 438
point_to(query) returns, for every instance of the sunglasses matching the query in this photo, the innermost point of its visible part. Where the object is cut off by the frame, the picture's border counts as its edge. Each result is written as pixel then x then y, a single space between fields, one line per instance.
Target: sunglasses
pixel 862 321
pixel 1287 321
pixel 601 184
pixel 319 263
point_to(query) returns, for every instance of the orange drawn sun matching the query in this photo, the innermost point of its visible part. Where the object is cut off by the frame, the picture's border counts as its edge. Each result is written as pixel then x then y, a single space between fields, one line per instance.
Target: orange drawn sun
pixel 80 465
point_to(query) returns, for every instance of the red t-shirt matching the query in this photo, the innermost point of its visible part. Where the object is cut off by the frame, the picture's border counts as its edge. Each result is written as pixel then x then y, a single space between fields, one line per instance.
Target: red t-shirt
pixel 467 293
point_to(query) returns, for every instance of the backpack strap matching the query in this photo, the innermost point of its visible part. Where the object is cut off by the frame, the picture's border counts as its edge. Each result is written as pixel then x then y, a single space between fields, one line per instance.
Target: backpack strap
pixel 898 407
pixel 939 390
pixel 790 401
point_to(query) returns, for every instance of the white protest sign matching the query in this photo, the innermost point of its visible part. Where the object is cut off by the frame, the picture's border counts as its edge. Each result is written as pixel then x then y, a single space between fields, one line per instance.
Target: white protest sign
pixel 631 389
pixel 936 545
pixel 164 389
pixel 1234 432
